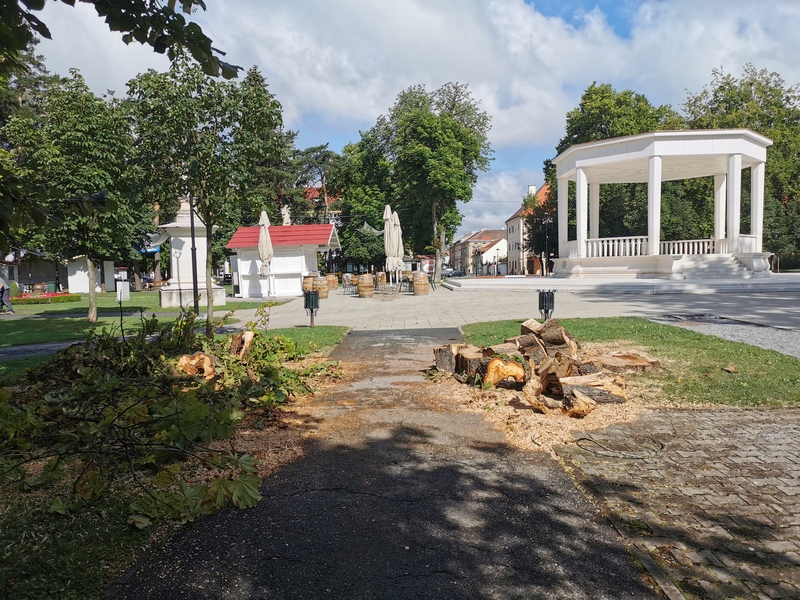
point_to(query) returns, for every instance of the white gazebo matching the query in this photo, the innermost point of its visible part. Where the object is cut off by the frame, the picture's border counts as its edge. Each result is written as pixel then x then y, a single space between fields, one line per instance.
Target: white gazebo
pixel 653 158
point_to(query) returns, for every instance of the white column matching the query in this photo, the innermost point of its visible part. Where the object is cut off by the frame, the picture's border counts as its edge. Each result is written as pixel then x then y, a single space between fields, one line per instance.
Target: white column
pixel 734 191
pixel 594 210
pixel 581 208
pixel 563 215
pixel 719 212
pixel 757 204
pixel 654 206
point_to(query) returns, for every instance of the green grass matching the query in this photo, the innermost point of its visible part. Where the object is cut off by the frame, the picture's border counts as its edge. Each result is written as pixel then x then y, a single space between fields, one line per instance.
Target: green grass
pixel 323 337
pixel 107 304
pixel 694 364
pixel 46 555
pixel 12 371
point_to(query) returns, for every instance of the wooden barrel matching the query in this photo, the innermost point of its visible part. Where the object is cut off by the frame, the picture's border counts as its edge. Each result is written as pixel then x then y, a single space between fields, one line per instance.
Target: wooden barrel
pixel 366 286
pixel 380 278
pixel 308 283
pixel 333 281
pixel 420 283
pixel 320 285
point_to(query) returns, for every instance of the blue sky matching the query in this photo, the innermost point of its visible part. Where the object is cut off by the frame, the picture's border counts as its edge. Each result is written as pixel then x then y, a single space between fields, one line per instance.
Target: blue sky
pixel 336 65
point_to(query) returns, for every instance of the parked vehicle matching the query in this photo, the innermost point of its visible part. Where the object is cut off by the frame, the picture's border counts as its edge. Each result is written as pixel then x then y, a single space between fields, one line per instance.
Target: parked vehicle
pixel 458 273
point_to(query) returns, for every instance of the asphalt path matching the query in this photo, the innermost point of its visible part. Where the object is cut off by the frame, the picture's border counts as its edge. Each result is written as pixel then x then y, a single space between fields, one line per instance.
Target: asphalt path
pixel 398 498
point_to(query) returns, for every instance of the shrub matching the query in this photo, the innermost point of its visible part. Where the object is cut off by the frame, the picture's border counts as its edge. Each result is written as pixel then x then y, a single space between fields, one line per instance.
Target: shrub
pixel 46 299
pixel 13 289
pixel 115 405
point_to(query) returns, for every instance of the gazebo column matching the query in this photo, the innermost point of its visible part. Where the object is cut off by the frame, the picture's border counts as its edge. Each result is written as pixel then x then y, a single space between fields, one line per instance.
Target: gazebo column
pixel 757 204
pixel 594 210
pixel 719 212
pixel 654 206
pixel 734 200
pixel 563 216
pixel 581 208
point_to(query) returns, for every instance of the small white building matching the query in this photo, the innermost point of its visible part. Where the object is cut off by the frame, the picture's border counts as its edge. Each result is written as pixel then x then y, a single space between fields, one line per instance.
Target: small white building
pixel 494 257
pixel 295 250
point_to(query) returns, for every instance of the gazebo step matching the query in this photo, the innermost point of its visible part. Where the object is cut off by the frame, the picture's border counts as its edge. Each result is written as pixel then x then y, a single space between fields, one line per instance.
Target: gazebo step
pixel 713 267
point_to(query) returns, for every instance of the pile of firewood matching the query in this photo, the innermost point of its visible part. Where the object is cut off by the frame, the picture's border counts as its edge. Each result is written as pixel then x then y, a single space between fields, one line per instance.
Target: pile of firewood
pixel 544 360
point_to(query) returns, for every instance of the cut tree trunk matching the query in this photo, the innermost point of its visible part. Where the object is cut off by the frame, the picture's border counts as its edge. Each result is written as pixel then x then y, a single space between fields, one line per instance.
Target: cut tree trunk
pixel 470 360
pixel 613 385
pixel 445 357
pixel 530 326
pixel 241 342
pixel 197 364
pixel 578 405
pixel 622 362
pixel 499 370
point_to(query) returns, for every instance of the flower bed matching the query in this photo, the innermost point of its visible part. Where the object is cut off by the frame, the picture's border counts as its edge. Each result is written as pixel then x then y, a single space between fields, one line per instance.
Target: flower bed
pixel 45 298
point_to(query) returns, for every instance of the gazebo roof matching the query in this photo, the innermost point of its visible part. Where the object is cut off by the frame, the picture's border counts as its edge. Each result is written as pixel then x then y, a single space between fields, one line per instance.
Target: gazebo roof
pixel 685 155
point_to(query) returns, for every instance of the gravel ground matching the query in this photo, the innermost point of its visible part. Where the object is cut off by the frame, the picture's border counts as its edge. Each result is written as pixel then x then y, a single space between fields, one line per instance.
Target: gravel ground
pixel 784 341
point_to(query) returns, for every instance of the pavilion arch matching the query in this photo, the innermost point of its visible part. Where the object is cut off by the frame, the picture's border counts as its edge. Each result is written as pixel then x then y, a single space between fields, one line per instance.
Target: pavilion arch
pixel 653 158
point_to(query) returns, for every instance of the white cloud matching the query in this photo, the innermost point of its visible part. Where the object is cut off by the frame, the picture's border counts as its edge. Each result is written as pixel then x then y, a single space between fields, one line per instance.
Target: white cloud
pixel 335 66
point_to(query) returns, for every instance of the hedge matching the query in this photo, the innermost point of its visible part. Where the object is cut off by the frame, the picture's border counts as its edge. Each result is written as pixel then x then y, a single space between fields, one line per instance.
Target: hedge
pixel 46 299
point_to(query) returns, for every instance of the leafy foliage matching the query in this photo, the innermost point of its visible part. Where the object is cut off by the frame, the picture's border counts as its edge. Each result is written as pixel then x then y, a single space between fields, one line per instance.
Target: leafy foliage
pixel 111 407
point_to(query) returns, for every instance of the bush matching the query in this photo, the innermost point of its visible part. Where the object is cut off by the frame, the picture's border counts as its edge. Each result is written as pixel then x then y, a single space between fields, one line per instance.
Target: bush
pixel 13 289
pixel 112 406
pixel 46 299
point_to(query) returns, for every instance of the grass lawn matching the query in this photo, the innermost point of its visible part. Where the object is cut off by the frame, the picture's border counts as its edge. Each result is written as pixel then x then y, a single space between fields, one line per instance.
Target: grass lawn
pixel 698 368
pixel 107 304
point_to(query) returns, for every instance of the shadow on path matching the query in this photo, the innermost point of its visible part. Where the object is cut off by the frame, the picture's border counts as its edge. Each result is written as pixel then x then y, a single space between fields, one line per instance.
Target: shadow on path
pixel 411 502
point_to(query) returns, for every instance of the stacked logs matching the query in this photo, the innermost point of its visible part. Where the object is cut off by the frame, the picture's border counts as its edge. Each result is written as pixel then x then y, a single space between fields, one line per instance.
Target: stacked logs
pixel 544 360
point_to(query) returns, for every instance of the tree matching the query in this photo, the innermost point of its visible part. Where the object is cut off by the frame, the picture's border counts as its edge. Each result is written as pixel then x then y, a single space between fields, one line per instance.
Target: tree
pixel 148 22
pixel 77 152
pixel 601 114
pixel 362 179
pixel 760 101
pixel 203 139
pixel 436 142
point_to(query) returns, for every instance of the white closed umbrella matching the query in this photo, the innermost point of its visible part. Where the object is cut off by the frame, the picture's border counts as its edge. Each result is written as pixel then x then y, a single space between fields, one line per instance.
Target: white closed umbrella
pixel 397 241
pixel 265 252
pixel 388 239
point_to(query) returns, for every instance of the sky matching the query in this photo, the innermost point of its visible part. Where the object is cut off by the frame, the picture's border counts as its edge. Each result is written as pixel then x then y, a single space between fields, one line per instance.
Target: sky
pixel 336 65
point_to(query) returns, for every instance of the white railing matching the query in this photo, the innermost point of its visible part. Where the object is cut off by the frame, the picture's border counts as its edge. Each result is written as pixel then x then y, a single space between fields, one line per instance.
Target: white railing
pixel 687 247
pixel 747 243
pixel 619 246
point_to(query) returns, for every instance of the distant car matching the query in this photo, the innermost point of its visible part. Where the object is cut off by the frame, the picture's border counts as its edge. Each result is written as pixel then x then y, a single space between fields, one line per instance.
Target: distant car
pixel 458 273
pixel 447 271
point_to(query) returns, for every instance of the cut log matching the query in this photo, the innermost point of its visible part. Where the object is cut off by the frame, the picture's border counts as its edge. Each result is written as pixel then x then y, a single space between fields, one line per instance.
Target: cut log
pixel 578 404
pixel 597 394
pixel 499 370
pixel 622 362
pixel 543 404
pixel 532 347
pixel 512 340
pixel 560 365
pixel 197 364
pixel 530 326
pixel 553 334
pixel 241 342
pixel 502 350
pixel 469 361
pixel 445 357
pixel 611 384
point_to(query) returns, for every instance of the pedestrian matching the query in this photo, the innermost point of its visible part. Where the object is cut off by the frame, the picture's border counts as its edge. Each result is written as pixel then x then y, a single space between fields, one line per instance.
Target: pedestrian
pixel 5 298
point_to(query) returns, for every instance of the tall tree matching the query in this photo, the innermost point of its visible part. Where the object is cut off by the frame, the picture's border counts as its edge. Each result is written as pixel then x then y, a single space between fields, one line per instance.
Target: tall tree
pixel 203 138
pixel 77 152
pixel 362 178
pixel 761 101
pixel 605 113
pixel 437 143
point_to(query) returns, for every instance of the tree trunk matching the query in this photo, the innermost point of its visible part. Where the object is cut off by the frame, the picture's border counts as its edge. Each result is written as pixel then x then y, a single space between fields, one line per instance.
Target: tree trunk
pixel 92 316
pixel 209 285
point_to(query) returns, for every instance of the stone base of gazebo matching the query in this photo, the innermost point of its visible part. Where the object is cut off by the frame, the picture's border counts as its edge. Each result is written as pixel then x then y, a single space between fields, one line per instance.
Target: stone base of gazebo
pixel 183 297
pixel 709 266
